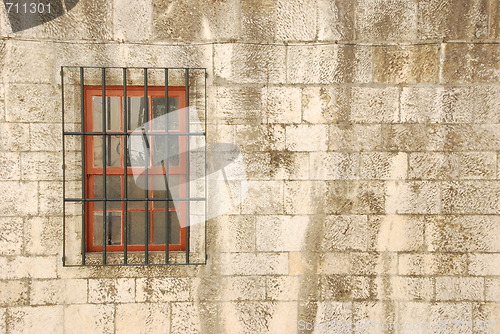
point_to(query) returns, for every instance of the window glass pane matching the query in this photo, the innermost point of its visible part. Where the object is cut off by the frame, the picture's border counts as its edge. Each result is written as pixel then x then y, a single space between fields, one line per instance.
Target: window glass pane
pixel 172 120
pixel 160 222
pixel 173 189
pixel 113 151
pixel 112 113
pixel 166 147
pixel 136 227
pixel 137 115
pixel 113 228
pixel 135 191
pixel 113 190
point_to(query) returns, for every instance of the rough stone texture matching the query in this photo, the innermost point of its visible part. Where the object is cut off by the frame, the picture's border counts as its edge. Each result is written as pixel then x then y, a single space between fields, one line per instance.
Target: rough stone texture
pixel 370 133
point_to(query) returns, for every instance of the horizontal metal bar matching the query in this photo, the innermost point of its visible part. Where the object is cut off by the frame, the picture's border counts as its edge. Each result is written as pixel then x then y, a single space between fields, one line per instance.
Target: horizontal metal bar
pixel 134 133
pixel 136 264
pixel 134 67
pixel 133 199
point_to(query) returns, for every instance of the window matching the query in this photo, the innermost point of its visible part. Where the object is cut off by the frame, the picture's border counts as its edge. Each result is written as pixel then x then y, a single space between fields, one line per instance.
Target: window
pixel 146 197
pixel 134 165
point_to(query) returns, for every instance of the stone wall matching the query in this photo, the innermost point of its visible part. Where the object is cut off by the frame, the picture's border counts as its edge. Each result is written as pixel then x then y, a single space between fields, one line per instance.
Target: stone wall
pixel 370 130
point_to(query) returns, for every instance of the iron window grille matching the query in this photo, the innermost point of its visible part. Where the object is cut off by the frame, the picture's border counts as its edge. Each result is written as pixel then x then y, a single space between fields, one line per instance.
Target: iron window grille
pixel 134 165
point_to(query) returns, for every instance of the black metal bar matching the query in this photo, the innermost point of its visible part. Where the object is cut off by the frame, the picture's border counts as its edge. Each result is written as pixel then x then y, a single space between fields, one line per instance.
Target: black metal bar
pixel 192 199
pixel 146 120
pixel 205 161
pixel 188 228
pixel 125 167
pixel 138 264
pixel 84 162
pixel 105 165
pixel 63 169
pixel 167 187
pixel 135 67
pixel 110 133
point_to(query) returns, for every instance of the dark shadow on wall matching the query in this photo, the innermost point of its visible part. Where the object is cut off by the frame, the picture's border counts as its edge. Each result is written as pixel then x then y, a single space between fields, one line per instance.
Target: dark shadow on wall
pixel 25 14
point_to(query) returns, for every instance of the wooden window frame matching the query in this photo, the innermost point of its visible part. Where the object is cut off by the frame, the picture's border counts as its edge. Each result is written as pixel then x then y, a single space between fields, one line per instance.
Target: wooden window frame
pixel 91 171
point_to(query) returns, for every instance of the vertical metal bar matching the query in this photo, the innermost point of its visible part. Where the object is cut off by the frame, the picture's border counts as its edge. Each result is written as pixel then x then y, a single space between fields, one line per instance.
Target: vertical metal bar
pixel 146 120
pixel 63 169
pixel 187 166
pixel 167 203
pixel 206 182
pixel 84 173
pixel 105 165
pixel 125 167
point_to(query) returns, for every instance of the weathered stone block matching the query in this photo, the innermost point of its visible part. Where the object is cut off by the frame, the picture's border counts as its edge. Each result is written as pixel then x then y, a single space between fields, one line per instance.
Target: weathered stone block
pixel 282 104
pixel 11 235
pixel 317 135
pixel 126 26
pixel 471 197
pixel 233 233
pixel 44 292
pixel 325 104
pixel 49 198
pixel 398 233
pixel 432 166
pixel 120 290
pixel 345 288
pixel 354 137
pixel 454 316
pixel 346 232
pixel 191 20
pixel 291 288
pixel 417 197
pixel 14 292
pixel 295 20
pixel 89 318
pixel 163 289
pixel 374 105
pixel 465 63
pixel 42 235
pixel 14 137
pixel 492 286
pixel 15 193
pixel 371 263
pixel 463 19
pixel 253 263
pixel 142 318
pixel 193 317
pixel 304 197
pixel 494 16
pixel 335 20
pixel 334 263
pixel 45 137
pixel 27 62
pixel 354 197
pixel 38 166
pixel 261 137
pixel 36 319
pixel 405 137
pixel 477 165
pixel 459 288
pixel 432 264
pixel 383 166
pixel 406 64
pixel 274 317
pixel 32 103
pixel 285 165
pixel 282 233
pixel 484 264
pixel 401 288
pixel 463 137
pixel 217 288
pixel 250 63
pixel 329 64
pixel 10 166
pixel 264 197
pixel 334 166
pixel 386 20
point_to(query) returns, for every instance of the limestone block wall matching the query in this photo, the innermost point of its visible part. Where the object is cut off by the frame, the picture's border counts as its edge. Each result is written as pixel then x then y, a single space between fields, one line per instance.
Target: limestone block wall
pixel 370 132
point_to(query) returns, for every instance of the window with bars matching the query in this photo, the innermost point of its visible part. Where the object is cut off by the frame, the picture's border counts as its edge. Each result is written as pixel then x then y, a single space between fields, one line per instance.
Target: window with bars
pixel 140 154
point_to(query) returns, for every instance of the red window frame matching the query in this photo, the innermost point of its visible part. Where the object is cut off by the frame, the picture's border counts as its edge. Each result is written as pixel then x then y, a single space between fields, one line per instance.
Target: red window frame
pixel 91 171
